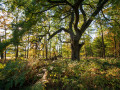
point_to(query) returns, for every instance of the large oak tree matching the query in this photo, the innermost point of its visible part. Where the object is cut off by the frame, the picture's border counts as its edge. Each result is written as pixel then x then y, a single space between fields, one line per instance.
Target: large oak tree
pixel 78 15
pixel 78 8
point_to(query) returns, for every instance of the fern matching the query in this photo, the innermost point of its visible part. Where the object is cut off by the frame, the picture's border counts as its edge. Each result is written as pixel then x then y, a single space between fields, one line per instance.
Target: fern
pixel 14 74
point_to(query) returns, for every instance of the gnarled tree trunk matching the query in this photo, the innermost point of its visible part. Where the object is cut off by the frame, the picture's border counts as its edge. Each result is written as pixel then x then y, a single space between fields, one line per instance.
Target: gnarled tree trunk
pixel 76 47
pixel 74 30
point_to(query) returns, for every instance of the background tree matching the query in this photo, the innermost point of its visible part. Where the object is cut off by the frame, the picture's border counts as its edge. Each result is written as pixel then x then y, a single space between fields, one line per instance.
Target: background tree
pixel 5 20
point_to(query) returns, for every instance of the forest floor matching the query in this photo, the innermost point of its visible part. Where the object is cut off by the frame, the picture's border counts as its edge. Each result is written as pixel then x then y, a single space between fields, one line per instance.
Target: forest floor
pixel 35 74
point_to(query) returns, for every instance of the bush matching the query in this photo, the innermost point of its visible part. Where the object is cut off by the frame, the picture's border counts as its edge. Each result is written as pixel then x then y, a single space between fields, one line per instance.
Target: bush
pixel 61 74
pixel 14 74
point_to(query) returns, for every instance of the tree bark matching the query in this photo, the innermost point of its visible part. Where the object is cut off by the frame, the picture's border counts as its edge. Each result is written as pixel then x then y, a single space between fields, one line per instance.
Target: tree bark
pixel 76 47
pixel 5 40
pixel 115 53
pixel 46 48
pixel 103 46
pixel 50 49
pixel 76 33
pixel 25 52
pixel 119 50
pixel 16 56
pixel 28 47
pixel 1 53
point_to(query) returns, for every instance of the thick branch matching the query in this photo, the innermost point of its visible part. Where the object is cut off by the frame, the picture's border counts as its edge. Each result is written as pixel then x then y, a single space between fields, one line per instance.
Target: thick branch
pixel 78 3
pixel 65 17
pixel 76 19
pixel 98 9
pixel 58 31
pixel 83 12
pixel 110 19
pixel 69 4
pixel 80 45
pixel 70 24
pixel 100 1
pixel 53 1
pixel 65 41
pixel 76 6
pixel 40 37
pixel 45 9
pixel 61 1
pixel 91 6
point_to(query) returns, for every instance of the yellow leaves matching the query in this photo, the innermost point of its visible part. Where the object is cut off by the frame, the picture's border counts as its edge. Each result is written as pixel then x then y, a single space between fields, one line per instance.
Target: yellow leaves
pixel 114 72
pixel 1 26
pixel 27 19
pixel 66 8
pixel 106 10
pixel 1 17
pixel 102 72
pixel 2 66
pixel 94 69
pixel 19 71
pixel 53 74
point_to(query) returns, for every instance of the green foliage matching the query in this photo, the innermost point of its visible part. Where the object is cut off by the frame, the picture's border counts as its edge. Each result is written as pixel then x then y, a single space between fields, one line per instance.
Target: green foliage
pixel 2 66
pixel 20 74
pixel 115 3
pixel 37 86
pixel 39 17
pixel 4 44
pixel 86 74
pixel 97 46
pixel 62 74
pixel 13 74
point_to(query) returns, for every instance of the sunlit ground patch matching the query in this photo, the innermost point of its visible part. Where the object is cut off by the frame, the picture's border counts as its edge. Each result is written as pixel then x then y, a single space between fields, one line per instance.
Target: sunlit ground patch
pixel 2 66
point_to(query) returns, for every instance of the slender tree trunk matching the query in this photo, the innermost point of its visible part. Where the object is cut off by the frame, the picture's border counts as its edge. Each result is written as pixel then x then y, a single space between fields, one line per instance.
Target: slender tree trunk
pixel 46 48
pixel 16 47
pixel 1 53
pixel 25 52
pixel 43 53
pixel 115 47
pixel 61 50
pixel 103 46
pixel 16 56
pixel 67 51
pixel 50 49
pixel 35 54
pixel 119 50
pixel 28 48
pixel 5 48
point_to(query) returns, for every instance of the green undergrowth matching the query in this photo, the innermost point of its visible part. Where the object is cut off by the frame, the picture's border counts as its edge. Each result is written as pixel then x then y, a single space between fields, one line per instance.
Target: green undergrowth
pixel 60 74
